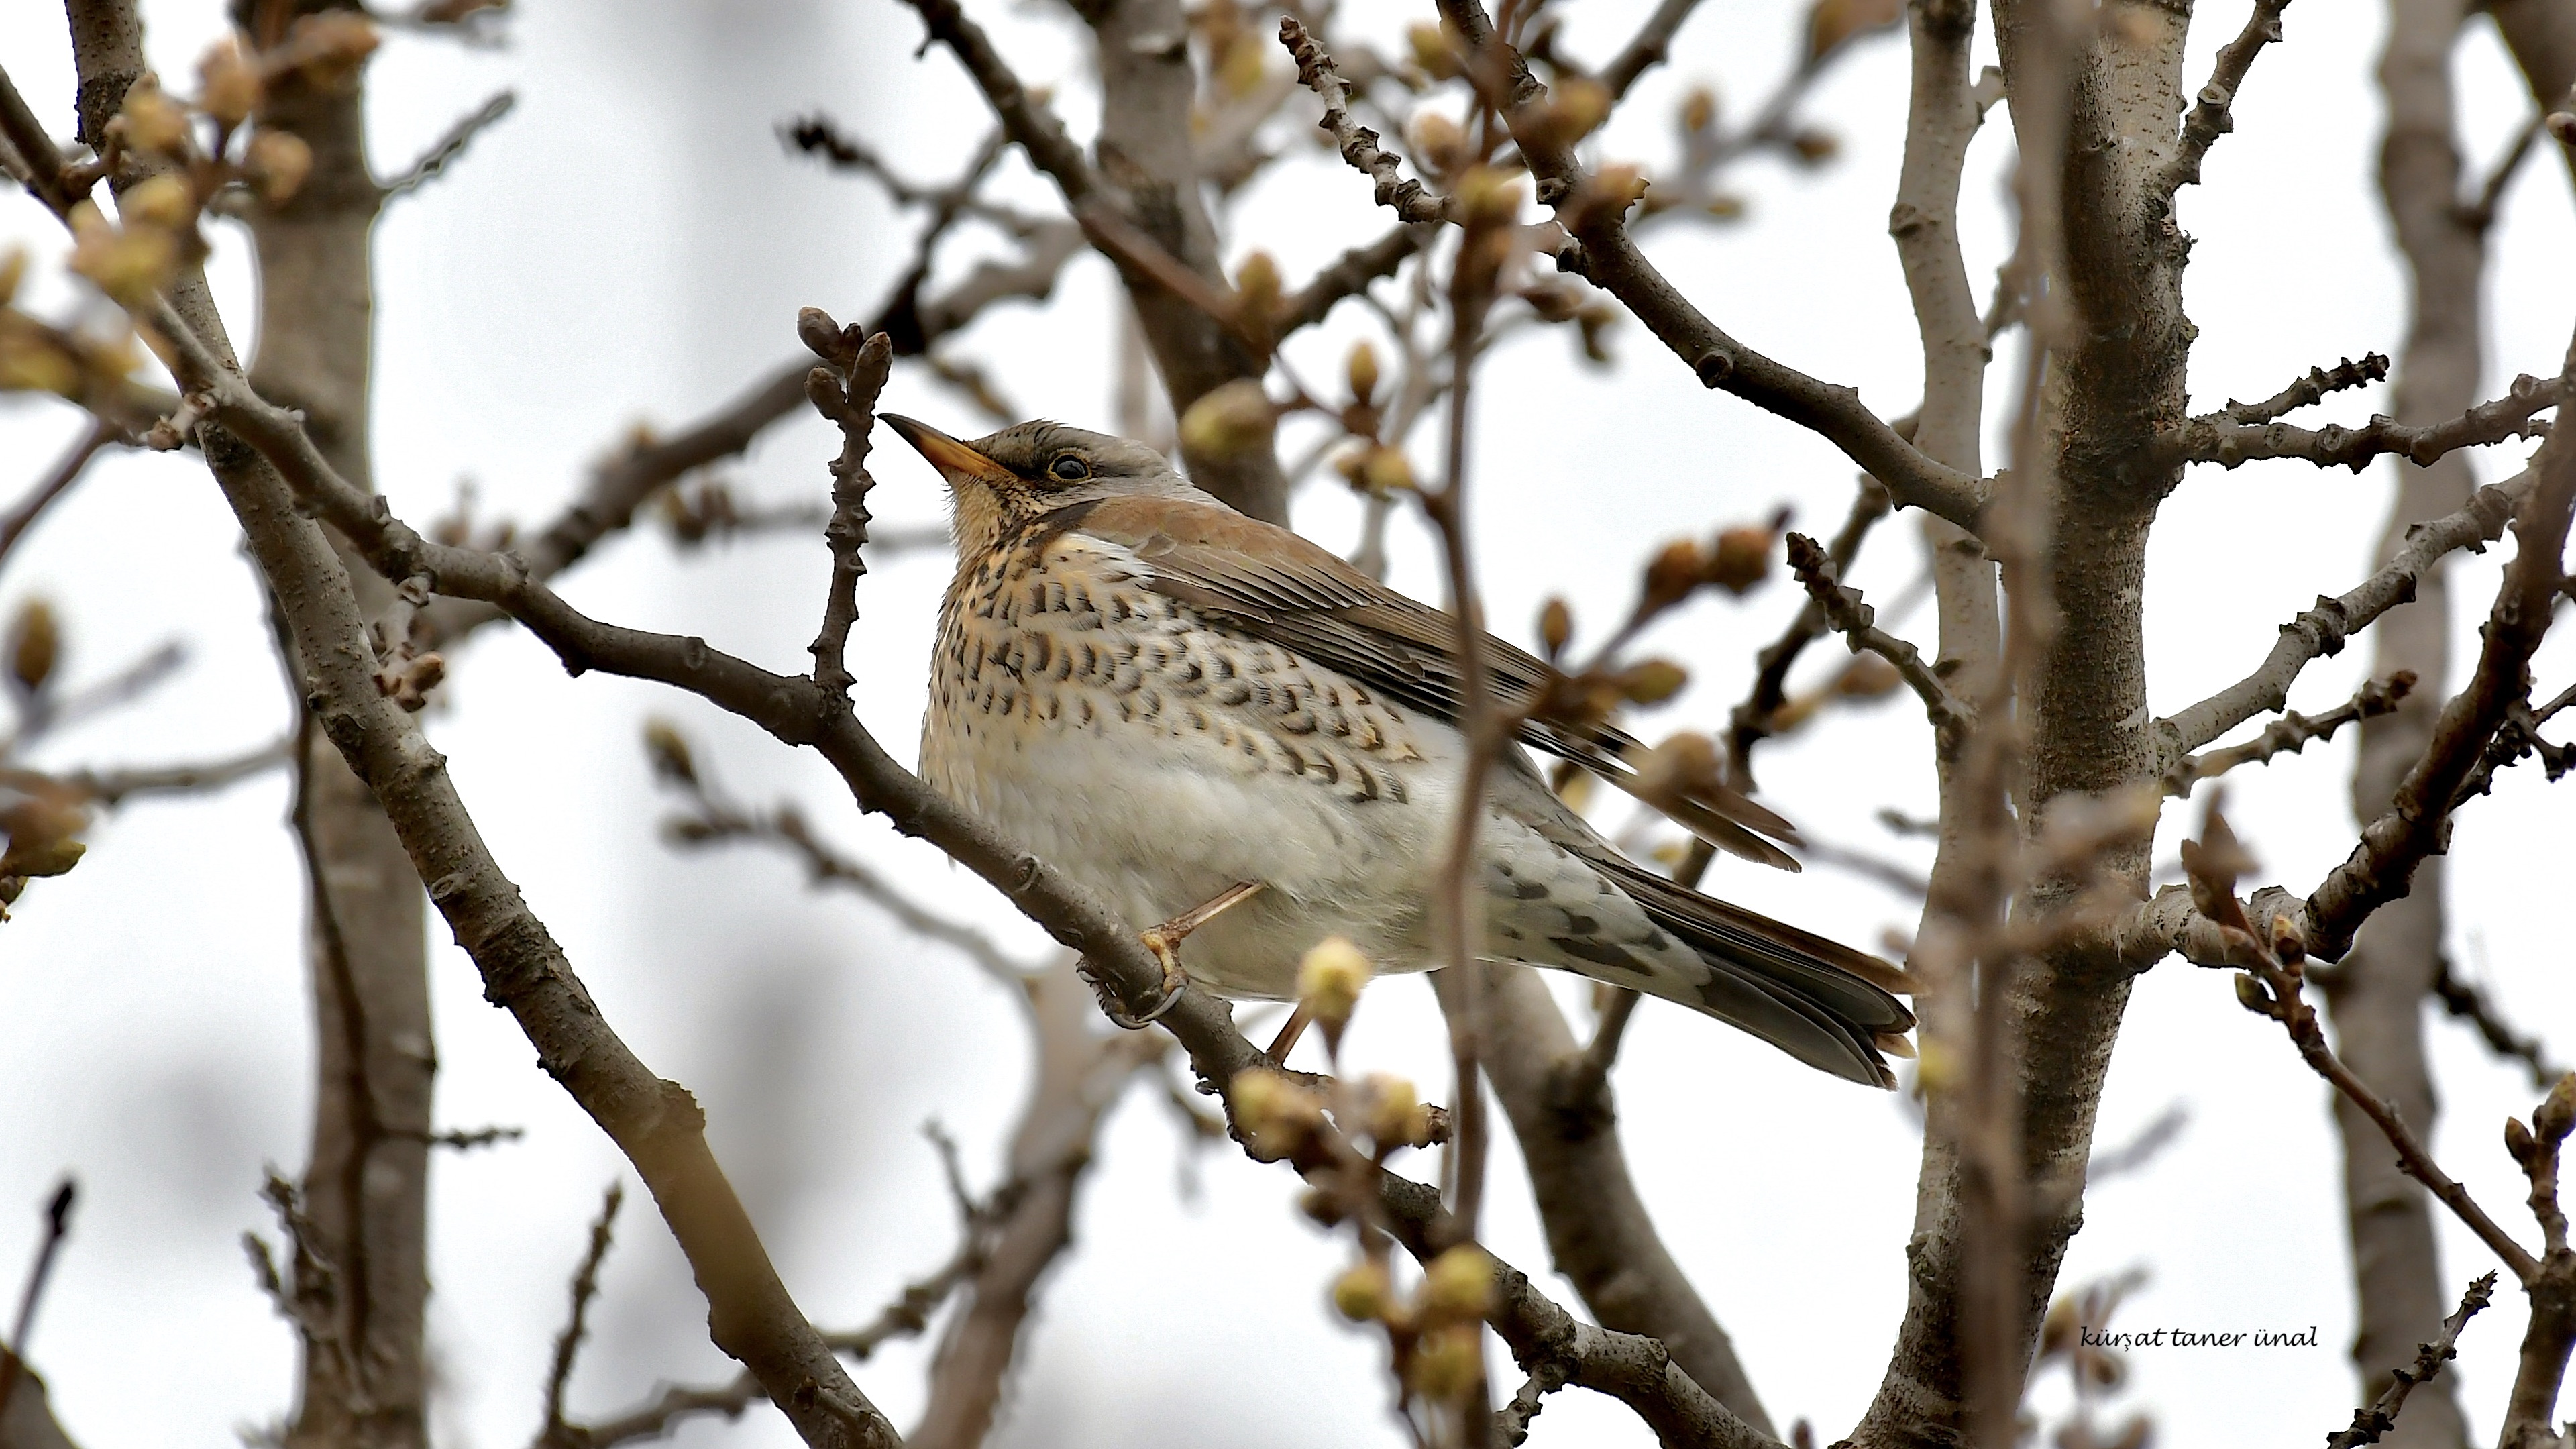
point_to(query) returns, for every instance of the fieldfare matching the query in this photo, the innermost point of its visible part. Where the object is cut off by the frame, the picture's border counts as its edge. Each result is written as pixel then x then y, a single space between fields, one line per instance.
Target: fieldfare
pixel 1219 725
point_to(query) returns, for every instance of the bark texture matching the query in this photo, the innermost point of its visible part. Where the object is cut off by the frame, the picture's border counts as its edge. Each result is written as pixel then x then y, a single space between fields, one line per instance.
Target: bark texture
pixel 366 1183
pixel 1147 154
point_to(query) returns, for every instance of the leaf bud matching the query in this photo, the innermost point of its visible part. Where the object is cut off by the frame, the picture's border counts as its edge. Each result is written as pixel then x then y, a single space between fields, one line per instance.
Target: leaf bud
pixel 1432 51
pixel 1362 369
pixel 1654 681
pixel 2518 1142
pixel 1555 625
pixel 1575 108
pixel 13 272
pixel 1388 471
pixel 1362 1294
pixel 228 87
pixel 1230 422
pixel 1395 1116
pixel 2252 995
pixel 1257 285
pixel 2557 1114
pixel 152 122
pixel 1699 110
pixel 278 162
pixel 1741 559
pixel 164 201
pixel 1437 141
pixel 1867 676
pixel 1446 1362
pixel 1489 196
pixel 1275 1113
pixel 1671 576
pixel 1457 1286
pixel 668 750
pixel 35 645
pixel 1331 978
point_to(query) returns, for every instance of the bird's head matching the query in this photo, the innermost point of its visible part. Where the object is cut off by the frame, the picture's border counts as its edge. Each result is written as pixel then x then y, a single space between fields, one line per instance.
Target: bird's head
pixel 1003 480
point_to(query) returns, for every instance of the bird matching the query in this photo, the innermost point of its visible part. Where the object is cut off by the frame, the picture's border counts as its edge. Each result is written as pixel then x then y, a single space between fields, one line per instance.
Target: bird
pixel 1216 724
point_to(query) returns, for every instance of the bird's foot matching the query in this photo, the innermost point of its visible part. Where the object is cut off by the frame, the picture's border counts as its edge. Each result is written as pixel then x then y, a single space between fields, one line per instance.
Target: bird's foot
pixel 1165 941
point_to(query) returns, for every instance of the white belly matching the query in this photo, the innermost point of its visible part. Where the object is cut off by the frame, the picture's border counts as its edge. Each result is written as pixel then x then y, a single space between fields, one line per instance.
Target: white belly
pixel 1148 787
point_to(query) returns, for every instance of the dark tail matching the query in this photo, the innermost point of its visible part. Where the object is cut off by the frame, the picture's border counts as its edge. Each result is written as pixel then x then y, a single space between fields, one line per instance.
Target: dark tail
pixel 1818 1000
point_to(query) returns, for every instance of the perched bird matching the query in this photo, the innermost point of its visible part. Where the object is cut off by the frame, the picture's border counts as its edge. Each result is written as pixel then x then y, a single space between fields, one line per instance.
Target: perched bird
pixel 1222 727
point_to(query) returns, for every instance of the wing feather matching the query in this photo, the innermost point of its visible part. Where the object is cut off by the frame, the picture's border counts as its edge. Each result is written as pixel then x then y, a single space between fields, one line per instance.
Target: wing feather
pixel 1279 587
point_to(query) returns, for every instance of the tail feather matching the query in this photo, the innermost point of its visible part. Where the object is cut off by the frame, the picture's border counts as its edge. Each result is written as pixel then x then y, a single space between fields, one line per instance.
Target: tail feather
pixel 1817 999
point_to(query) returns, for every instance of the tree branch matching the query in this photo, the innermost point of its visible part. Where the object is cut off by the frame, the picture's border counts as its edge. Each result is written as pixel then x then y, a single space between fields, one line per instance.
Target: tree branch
pixel 2369 1423
pixel 1601 251
pixel 2321 631
pixel 2216 439
pixel 2212 114
pixel 2290 733
pixel 1951 716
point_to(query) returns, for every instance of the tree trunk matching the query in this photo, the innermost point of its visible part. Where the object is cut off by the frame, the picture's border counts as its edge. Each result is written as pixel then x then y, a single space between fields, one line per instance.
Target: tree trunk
pixel 366 1183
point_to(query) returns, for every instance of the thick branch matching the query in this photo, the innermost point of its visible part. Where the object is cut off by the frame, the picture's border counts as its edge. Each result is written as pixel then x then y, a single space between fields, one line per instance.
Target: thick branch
pixel 2417 823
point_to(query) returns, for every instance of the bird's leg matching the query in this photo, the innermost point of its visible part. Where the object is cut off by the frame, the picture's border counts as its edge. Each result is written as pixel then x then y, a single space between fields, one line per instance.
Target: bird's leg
pixel 1286 1041
pixel 1165 940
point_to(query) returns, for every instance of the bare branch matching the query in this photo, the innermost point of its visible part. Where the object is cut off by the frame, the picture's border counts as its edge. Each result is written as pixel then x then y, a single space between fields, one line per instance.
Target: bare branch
pixel 443 152
pixel 2417 822
pixel 1650 47
pixel 2290 733
pixel 554 1431
pixel 2307 391
pixel 2468 1001
pixel 1348 275
pixel 56 482
pixel 1951 716
pixel 2213 439
pixel 714 817
pixel 2213 114
pixel 2370 1422
pixel 1600 250
pixel 1752 720
pixel 112 788
pixel 2323 629
pixel 2480 214
pixel 58 1226
pixel 1411 201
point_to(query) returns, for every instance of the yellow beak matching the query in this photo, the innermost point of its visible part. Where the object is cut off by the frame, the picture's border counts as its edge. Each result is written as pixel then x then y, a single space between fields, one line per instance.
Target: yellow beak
pixel 955 461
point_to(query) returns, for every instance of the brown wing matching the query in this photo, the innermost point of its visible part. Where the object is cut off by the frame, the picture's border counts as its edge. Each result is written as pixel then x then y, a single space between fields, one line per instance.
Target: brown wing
pixel 1276 586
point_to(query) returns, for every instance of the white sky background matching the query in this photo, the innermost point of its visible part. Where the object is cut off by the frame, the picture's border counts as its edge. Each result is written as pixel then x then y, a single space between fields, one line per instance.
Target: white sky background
pixel 632 244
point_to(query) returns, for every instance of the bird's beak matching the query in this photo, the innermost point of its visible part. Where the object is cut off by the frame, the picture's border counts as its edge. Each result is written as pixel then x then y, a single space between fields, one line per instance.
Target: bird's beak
pixel 955 461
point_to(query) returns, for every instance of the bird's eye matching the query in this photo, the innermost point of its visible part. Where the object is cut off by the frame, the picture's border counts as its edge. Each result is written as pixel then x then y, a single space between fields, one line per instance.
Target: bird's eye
pixel 1069 468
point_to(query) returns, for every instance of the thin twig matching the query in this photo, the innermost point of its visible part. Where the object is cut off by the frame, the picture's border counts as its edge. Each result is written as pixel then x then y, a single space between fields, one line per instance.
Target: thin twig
pixel 2309 390
pixel 2290 733
pixel 2216 439
pixel 1752 721
pixel 2468 1001
pixel 58 1226
pixel 443 152
pixel 2213 115
pixel 1650 47
pixel 56 482
pixel 1951 716
pixel 2380 1416
pixel 2322 630
pixel 585 1288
